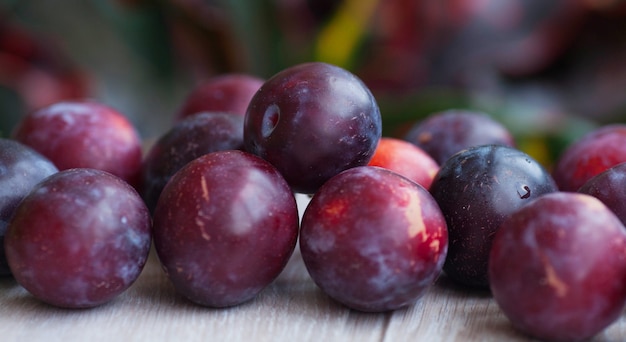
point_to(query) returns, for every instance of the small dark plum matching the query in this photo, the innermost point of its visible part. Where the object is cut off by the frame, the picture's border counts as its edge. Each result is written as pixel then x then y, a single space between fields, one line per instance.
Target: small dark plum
pixel 84 134
pixel 590 155
pixel 187 140
pixel 373 240
pixel 228 93
pixel 443 134
pixel 224 227
pixel 610 188
pixel 79 238
pixel 312 121
pixel 557 267
pixel 476 189
pixel 21 168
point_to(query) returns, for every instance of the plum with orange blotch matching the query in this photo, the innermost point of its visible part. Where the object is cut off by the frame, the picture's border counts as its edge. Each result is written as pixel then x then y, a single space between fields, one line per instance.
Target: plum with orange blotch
pixel 557 267
pixel 406 159
pixel 228 93
pixel 225 226
pixel 373 240
pixel 84 134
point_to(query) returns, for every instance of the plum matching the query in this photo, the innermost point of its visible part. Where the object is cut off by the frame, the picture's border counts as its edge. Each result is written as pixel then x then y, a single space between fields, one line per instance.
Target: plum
pixel 557 267
pixel 610 188
pixel 224 227
pixel 21 168
pixel 84 134
pixel 187 140
pixel 590 155
pixel 79 238
pixel 406 159
pixel 228 93
pixel 476 189
pixel 312 121
pixel 445 133
pixel 372 239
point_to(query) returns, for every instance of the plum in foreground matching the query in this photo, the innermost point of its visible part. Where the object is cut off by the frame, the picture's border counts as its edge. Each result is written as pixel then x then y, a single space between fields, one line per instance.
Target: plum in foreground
pixel 79 239
pixel 557 267
pixel 224 227
pixel 476 189
pixel 373 240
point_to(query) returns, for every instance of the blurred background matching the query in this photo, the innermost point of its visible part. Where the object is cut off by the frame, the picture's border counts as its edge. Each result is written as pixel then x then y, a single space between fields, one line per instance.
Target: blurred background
pixel 550 70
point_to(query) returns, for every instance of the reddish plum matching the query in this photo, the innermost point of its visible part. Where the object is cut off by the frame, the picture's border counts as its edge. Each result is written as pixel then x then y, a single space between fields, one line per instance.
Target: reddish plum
pixel 228 93
pixel 312 121
pixel 80 238
pixel 406 159
pixel 557 267
pixel 84 134
pixel 372 239
pixel 590 155
pixel 224 227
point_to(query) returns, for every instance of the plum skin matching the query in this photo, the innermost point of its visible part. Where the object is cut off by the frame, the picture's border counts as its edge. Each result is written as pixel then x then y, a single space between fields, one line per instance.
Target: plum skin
pixel 79 239
pixel 557 267
pixel 21 168
pixel 476 189
pixel 312 121
pixel 373 240
pixel 224 228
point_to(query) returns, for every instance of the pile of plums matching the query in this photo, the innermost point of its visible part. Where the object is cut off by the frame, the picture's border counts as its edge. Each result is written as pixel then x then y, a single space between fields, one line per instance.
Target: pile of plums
pixel 387 216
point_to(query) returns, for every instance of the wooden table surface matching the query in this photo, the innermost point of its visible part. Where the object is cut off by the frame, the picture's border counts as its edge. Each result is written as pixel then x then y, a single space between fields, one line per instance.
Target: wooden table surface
pixel 292 308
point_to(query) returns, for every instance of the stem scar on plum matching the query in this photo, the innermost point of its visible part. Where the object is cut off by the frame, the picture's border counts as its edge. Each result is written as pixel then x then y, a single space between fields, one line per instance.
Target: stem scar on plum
pixel 270 120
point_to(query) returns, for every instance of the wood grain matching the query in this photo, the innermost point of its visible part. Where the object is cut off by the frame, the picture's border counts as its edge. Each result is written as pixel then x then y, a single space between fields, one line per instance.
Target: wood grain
pixel 292 308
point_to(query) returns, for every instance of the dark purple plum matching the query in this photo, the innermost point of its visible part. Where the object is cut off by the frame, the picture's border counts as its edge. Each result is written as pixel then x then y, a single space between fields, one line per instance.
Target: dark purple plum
pixel 373 240
pixel 227 93
pixel 187 140
pixel 476 189
pixel 590 155
pixel 79 238
pixel 84 134
pixel 21 168
pixel 443 134
pixel 312 121
pixel 557 267
pixel 610 188
pixel 224 227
